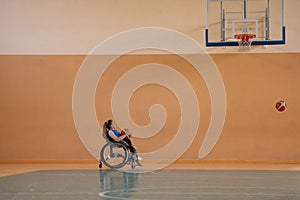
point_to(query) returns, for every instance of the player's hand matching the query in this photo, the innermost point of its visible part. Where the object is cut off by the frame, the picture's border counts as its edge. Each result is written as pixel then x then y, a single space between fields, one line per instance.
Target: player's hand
pixel 127 131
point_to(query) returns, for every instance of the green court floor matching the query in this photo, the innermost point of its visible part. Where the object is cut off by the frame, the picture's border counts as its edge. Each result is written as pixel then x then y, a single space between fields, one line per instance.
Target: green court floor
pixel 163 184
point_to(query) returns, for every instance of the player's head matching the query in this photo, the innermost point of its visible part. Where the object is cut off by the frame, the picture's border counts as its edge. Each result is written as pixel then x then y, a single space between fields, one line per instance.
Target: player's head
pixel 109 124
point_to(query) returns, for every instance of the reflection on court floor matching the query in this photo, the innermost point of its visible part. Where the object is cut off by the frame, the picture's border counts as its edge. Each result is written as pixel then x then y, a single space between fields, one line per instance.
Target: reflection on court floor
pixel 163 184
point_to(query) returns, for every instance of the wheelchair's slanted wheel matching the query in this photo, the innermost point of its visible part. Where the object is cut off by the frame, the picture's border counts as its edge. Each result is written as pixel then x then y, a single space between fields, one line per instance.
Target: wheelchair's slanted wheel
pixel 114 155
pixel 100 165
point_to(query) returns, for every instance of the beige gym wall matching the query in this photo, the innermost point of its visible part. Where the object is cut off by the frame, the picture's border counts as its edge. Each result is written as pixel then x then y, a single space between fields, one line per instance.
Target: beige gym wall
pixel 77 26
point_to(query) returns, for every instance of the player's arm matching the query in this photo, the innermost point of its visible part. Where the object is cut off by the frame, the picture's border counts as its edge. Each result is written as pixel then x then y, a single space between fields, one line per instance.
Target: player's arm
pixel 115 138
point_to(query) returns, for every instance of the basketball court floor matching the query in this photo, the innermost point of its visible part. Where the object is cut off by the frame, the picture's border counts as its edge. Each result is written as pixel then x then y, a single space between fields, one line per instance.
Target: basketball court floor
pixel 205 181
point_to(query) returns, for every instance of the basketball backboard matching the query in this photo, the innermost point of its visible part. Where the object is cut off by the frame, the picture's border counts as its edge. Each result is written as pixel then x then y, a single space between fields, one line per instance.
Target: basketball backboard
pixel 227 18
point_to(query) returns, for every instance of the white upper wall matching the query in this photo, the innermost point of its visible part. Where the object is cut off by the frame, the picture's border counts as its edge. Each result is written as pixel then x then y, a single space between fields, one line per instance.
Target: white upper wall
pixel 77 26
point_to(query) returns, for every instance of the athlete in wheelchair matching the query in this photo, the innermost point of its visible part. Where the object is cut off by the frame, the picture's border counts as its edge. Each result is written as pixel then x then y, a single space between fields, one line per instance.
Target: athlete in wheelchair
pixel 119 150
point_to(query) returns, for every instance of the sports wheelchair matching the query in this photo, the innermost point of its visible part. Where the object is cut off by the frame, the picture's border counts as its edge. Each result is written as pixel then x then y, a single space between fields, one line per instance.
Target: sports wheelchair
pixel 116 155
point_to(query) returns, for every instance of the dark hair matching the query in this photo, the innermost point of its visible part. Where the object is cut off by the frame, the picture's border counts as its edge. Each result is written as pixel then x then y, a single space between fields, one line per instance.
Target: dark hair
pixel 108 124
pixel 107 127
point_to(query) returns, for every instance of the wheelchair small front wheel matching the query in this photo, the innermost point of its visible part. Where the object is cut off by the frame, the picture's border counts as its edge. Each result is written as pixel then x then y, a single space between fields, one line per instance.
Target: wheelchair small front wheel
pixel 114 155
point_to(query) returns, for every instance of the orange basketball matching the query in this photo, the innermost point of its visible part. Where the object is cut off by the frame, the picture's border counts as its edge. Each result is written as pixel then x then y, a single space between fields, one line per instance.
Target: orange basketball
pixel 280 106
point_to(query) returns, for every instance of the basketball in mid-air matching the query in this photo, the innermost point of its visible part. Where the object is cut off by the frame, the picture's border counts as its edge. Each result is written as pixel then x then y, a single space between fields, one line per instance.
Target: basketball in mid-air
pixel 281 106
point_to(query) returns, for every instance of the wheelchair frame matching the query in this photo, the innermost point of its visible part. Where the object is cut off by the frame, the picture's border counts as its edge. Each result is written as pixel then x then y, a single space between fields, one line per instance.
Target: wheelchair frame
pixel 128 157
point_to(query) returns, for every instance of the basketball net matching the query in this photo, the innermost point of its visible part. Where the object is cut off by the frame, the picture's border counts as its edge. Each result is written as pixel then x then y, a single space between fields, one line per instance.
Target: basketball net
pixel 244 40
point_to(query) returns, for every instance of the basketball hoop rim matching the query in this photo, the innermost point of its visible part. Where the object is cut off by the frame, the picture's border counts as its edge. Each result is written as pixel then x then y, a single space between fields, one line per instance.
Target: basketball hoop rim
pixel 245 37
